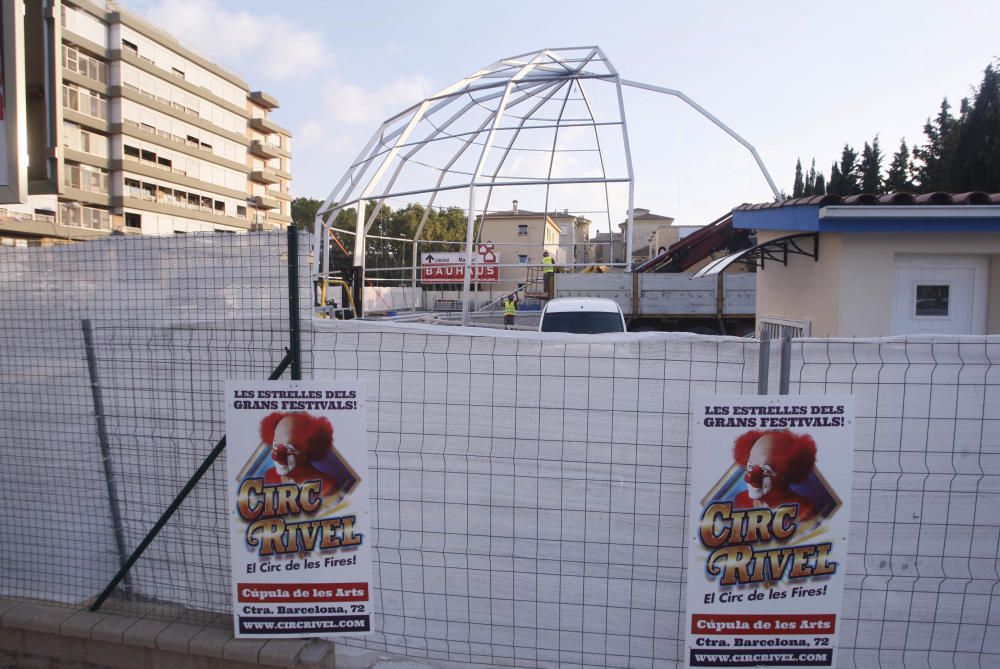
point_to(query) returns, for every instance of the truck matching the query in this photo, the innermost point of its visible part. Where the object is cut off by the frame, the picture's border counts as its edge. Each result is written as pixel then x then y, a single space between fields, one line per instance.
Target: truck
pixel 661 293
pixel 723 304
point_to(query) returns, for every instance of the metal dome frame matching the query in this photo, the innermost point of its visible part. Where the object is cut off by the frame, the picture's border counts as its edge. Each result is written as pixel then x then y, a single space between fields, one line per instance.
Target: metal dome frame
pixel 528 81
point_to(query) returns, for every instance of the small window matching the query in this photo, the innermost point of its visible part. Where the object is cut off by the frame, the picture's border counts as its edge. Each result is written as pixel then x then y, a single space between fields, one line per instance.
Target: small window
pixel 220 206
pixel 164 162
pixel 148 155
pixel 522 229
pixel 179 73
pixel 133 221
pixel 522 259
pixel 241 210
pixel 129 46
pixel 131 151
pixel 932 300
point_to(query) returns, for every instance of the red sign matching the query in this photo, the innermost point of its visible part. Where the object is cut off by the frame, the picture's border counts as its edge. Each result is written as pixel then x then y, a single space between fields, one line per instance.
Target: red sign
pixel 450 267
pixel 285 593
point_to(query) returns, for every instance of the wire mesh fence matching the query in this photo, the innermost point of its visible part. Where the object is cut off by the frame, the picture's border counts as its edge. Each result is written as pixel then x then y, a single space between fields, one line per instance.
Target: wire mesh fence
pixel 529 491
pixel 169 321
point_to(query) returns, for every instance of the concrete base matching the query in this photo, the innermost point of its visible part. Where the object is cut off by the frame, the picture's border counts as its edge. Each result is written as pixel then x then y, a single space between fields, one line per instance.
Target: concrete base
pixel 44 636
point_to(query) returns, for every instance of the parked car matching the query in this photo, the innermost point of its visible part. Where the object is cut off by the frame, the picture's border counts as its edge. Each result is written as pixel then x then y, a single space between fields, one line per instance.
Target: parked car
pixel 582 315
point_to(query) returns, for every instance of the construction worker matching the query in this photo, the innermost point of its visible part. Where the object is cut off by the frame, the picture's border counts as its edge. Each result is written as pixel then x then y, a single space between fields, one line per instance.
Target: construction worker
pixel 509 311
pixel 548 267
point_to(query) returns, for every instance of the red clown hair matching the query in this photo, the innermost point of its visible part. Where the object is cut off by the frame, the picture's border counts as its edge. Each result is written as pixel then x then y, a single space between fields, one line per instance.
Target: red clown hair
pixel 311 434
pixel 795 454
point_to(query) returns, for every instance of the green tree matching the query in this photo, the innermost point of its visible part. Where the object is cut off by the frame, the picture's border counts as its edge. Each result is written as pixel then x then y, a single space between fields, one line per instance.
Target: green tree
pixel 870 168
pixel 798 187
pixel 900 175
pixel 844 177
pixel 304 212
pixel 976 165
pixel 810 187
pixel 820 184
pixel 934 159
pixel 836 184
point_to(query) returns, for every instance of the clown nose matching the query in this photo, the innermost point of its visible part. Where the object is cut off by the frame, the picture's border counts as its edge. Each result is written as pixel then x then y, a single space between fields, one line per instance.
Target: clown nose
pixel 755 477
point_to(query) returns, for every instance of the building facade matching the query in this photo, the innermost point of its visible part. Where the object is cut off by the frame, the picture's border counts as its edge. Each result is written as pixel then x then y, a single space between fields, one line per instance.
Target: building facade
pixel 129 131
pixel 520 237
pixel 651 235
pixel 873 266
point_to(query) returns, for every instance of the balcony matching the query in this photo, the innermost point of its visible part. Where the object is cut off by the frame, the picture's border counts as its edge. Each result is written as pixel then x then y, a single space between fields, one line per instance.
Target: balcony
pixel 264 125
pixel 264 150
pixel 262 202
pixel 263 99
pixel 264 176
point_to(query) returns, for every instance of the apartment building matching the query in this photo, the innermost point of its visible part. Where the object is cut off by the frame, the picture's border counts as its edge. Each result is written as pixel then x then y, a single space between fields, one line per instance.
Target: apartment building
pixel 129 131
pixel 652 234
pixel 521 236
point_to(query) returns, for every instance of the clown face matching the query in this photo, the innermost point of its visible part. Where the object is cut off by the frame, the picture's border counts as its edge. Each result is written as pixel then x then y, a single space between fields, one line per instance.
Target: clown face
pixel 283 453
pixel 761 475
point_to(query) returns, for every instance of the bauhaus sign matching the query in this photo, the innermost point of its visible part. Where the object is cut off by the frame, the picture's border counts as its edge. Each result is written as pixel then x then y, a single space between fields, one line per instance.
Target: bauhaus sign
pixel 450 267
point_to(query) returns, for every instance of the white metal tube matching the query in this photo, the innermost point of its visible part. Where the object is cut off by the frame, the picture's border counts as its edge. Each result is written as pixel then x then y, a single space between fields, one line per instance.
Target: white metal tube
pixel 704 112
pixel 470 222
pixel 630 221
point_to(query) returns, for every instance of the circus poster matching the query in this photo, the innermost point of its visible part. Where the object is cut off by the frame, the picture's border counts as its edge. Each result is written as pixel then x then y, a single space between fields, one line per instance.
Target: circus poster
pixel 769 516
pixel 297 469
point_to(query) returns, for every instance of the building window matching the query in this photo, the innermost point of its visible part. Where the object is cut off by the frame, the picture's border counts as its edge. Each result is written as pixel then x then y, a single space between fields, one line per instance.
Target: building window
pixel 77 216
pixel 84 65
pixel 522 229
pixel 129 46
pixel 78 139
pixel 241 210
pixel 131 151
pixel 84 101
pixel 932 300
pixel 522 259
pixel 85 177
pixel 133 220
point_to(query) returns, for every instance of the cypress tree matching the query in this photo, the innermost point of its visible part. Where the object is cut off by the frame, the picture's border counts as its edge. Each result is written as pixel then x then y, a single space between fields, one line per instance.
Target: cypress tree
pixel 933 171
pixel 836 185
pixel 798 188
pixel 849 171
pixel 977 148
pixel 899 177
pixel 870 169
pixel 810 187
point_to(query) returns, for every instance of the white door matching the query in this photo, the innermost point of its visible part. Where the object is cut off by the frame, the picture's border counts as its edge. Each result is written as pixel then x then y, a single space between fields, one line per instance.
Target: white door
pixel 939 295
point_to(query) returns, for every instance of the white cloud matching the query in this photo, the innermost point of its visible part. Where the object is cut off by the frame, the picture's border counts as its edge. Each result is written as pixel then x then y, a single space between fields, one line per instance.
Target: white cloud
pixel 350 103
pixel 310 131
pixel 269 44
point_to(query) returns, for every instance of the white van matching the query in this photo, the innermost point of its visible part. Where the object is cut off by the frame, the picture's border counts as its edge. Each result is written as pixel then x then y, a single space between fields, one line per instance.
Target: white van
pixel 582 315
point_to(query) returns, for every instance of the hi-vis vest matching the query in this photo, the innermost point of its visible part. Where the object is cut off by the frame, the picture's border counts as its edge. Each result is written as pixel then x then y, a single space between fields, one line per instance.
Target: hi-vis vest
pixel 547 264
pixel 509 307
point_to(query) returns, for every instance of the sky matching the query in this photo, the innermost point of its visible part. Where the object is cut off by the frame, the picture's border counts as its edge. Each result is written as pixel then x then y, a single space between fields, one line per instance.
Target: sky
pixel 796 80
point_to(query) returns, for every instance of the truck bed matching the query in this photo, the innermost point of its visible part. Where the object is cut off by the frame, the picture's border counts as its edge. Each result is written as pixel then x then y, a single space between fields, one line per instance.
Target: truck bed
pixel 666 295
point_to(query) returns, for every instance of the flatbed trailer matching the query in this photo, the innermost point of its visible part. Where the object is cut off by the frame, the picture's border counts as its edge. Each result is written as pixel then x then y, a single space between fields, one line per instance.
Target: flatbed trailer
pixel 723 304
